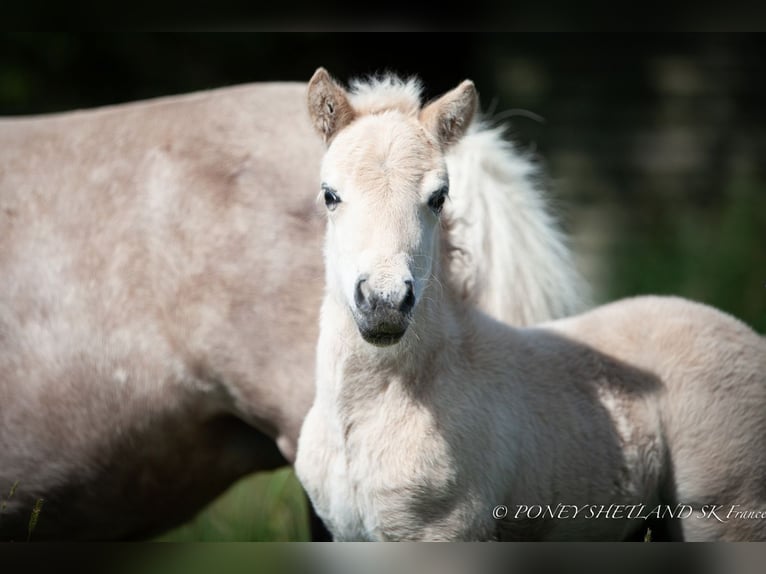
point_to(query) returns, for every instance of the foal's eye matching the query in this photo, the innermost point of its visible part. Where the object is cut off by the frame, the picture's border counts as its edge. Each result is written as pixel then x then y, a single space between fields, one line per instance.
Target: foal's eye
pixel 331 198
pixel 436 201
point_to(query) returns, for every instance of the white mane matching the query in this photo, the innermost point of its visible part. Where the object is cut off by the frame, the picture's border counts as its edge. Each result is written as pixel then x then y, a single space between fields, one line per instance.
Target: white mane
pixel 512 257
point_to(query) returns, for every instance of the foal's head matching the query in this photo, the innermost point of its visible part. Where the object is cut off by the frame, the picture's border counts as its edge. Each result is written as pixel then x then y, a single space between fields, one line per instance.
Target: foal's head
pixel 384 182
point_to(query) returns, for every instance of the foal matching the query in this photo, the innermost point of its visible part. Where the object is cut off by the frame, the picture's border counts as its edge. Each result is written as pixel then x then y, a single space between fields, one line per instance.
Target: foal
pixel 428 414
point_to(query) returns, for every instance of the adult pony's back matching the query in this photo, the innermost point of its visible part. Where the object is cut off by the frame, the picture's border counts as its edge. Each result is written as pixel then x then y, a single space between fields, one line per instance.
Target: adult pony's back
pixel 160 281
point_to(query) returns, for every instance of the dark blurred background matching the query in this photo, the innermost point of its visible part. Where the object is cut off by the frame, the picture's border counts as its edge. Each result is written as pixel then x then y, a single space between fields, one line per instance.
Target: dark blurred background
pixel 653 147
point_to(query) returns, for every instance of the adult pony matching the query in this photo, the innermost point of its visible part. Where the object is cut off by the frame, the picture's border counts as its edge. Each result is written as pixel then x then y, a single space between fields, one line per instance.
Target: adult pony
pixel 433 421
pixel 160 283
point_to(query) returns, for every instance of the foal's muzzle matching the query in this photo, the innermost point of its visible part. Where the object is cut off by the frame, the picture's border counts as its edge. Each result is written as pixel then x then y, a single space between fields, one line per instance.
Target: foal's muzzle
pixel 383 317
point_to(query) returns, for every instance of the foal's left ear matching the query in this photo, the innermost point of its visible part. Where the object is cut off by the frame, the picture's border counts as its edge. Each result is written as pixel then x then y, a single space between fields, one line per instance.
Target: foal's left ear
pixel 329 107
pixel 449 116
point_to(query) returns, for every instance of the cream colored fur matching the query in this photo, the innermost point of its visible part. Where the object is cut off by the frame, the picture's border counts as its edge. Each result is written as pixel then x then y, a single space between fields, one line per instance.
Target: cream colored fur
pixel 160 284
pixel 644 401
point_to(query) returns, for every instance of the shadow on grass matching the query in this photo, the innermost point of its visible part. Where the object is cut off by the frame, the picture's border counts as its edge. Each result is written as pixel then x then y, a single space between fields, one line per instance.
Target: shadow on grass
pixel 266 506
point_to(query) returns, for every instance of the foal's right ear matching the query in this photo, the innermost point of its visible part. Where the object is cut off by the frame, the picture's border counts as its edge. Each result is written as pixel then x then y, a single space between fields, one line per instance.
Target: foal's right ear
pixel 329 107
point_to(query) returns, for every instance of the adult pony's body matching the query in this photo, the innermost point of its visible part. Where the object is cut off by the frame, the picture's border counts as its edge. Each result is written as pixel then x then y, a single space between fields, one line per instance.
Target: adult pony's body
pixel 160 283
pixel 428 413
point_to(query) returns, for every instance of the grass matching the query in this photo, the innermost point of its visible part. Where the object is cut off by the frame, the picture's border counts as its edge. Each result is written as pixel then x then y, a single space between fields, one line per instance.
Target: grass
pixel 262 507
pixel 4 501
pixel 34 515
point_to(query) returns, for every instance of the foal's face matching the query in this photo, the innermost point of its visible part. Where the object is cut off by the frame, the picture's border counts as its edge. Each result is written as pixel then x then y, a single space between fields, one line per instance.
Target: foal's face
pixel 384 183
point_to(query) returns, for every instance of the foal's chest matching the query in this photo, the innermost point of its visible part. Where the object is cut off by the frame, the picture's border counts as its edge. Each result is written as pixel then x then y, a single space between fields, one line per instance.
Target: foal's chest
pixel 380 475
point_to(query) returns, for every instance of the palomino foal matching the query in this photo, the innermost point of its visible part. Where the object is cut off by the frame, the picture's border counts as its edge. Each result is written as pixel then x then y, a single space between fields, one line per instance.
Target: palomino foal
pixel 428 414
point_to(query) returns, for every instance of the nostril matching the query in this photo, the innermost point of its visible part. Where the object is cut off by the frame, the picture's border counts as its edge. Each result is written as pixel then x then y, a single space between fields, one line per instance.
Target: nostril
pixel 360 298
pixel 409 298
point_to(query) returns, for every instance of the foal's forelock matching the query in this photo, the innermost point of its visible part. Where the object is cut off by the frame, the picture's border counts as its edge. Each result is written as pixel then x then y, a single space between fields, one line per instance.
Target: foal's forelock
pixel 388 92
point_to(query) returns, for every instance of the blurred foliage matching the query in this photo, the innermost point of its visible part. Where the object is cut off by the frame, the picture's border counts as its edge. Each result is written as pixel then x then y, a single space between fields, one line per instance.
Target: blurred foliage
pixel 710 255
pixel 653 146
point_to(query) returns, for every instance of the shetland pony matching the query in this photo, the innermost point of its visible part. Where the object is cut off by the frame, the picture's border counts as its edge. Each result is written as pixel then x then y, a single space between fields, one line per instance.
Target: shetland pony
pixel 160 283
pixel 433 421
